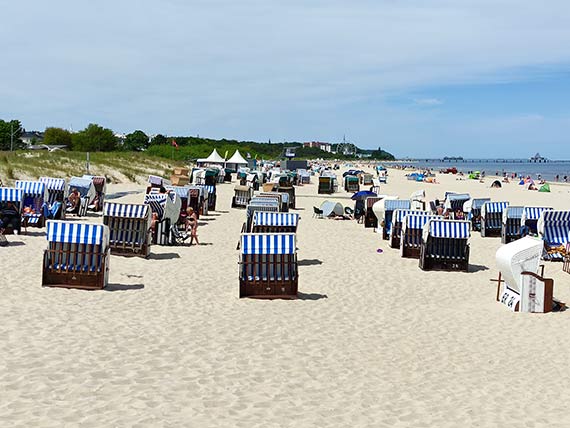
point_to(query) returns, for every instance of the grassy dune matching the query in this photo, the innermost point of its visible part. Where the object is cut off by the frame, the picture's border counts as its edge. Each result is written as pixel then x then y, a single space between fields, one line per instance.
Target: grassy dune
pixel 118 167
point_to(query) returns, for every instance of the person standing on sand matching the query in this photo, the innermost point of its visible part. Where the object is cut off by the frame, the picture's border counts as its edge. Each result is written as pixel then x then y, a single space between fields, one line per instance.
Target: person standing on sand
pixel 192 224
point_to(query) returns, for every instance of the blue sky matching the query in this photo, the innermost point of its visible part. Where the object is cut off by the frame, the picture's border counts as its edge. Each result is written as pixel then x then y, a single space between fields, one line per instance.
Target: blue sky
pixel 476 78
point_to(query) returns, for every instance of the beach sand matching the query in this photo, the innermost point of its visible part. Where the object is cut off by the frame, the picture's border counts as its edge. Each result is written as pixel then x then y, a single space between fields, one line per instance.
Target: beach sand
pixel 372 341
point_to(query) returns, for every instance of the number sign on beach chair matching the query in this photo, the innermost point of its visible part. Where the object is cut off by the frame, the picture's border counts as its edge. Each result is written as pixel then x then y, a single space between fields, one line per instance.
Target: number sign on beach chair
pixel 33 197
pixel 272 222
pixel 511 229
pixel 396 229
pixel 268 265
pixel 445 245
pixel 10 209
pixel 391 205
pixel 411 236
pixel 492 218
pixel 77 255
pixel 129 228
pixel 519 287
pixel 554 228
pixel 530 216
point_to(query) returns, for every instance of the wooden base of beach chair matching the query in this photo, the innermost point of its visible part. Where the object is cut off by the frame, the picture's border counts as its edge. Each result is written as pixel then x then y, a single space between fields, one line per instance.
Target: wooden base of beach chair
pixel 432 262
pixel 74 280
pixel 370 219
pixel 119 250
pixel 268 289
pixel 411 252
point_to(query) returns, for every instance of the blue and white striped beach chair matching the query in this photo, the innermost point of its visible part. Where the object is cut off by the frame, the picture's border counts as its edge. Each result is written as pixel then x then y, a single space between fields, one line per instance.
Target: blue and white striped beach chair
pixel 86 190
pixel 272 222
pixel 474 214
pixel 77 255
pixel 265 205
pixel 34 195
pixel 492 218
pixel 167 208
pixel 391 205
pixel 530 218
pixel 10 209
pixel 268 265
pixel 554 229
pixel 511 229
pixel 396 229
pixel 411 235
pixel 445 245
pixel 455 201
pixel 55 188
pixel 242 196
pixel 129 228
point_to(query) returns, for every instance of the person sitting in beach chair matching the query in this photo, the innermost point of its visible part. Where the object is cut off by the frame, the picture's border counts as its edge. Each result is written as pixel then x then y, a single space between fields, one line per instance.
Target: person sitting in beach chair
pixel 73 201
pixel 554 229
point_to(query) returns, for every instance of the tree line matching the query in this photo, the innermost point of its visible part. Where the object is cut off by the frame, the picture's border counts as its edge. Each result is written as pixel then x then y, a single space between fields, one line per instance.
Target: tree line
pixel 95 138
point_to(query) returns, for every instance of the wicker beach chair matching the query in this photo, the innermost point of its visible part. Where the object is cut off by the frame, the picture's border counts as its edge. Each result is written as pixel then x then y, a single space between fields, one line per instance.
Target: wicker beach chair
pixel 167 208
pixel 529 219
pixel 492 218
pixel 411 235
pixel 511 228
pixel 87 192
pixel 396 229
pixel 55 189
pixel 268 265
pixel 351 183
pixel 100 184
pixel 34 195
pixel 77 255
pixel 445 245
pixel 10 209
pixel 554 229
pixel 129 228
pixel 290 191
pixel 370 219
pixel 242 196
pixel 455 201
pixel 474 211
pixel 390 205
pixel 264 205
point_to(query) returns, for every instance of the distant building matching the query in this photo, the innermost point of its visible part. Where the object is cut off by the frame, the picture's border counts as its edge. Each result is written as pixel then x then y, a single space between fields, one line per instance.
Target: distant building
pixel 538 158
pixel 30 138
pixel 326 147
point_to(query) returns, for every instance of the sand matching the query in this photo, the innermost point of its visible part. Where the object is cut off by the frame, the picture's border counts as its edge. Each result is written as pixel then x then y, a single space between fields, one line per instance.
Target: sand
pixel 372 341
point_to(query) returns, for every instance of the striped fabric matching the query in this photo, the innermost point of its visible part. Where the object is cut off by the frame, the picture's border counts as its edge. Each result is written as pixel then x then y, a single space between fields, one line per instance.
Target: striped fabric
pixel 264 201
pixel 260 243
pixel 57 184
pixel 417 221
pixel 250 209
pixel 77 233
pixel 210 189
pixel 398 216
pixel 10 194
pixel 156 201
pixel 395 204
pixel 494 207
pixel 533 213
pixel 181 191
pixel 31 187
pixel 371 201
pixel 555 227
pixel 113 209
pixel 449 229
pixel 262 218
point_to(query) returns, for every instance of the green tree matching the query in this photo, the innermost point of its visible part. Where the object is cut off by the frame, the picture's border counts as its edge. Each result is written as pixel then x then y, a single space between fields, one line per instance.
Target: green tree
pixel 10 132
pixel 94 138
pixel 136 141
pixel 158 140
pixel 57 137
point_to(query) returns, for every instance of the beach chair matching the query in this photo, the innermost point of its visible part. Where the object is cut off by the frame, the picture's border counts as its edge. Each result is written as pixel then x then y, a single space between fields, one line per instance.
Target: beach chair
pixel 529 219
pixel 10 210
pixel 211 192
pixel 554 228
pixel 182 194
pixel 511 228
pixel 390 205
pixel 55 189
pixel 272 222
pixel 367 179
pixel 455 201
pixel 33 197
pixel 304 176
pixel 370 219
pixel 396 229
pixel 519 286
pixel 156 182
pixel 266 205
pixel 325 185
pixel 242 196
pixel 100 184
pixel 166 206
pixel 351 183
pixel 86 190
pixel 77 255
pixel 445 245
pixel 290 191
pixel 268 265
pixel 473 210
pixel 129 228
pixel 282 199
pixel 492 218
pixel 411 235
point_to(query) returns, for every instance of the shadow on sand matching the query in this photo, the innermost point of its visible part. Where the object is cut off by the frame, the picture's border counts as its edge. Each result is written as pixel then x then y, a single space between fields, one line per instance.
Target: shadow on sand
pixel 123 287
pixel 311 296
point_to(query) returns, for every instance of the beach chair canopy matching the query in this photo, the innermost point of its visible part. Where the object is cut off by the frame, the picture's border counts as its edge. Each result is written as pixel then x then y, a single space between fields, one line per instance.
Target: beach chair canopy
pixel 475 204
pixel 453 229
pixel 554 226
pixel 10 194
pixel 399 214
pixel 55 184
pixel 265 243
pixel 84 186
pixel 329 208
pixel 242 188
pixel 493 207
pixel 522 255
pixel 251 209
pixel 533 213
pixel 512 212
pixel 32 188
pixel 166 205
pixel 113 209
pixel 264 201
pixel 155 180
pixel 417 220
pixel 77 233
pixel 99 182
pixel 275 219
pixel 181 191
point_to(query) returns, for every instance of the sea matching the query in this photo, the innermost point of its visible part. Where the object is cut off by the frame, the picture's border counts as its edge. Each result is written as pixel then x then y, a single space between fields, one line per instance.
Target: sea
pixel 521 167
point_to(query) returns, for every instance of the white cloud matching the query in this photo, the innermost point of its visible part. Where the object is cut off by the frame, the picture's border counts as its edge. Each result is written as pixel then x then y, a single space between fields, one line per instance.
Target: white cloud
pixel 428 101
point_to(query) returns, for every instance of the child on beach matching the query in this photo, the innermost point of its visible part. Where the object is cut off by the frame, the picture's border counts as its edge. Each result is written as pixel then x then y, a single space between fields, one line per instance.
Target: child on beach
pixel 192 224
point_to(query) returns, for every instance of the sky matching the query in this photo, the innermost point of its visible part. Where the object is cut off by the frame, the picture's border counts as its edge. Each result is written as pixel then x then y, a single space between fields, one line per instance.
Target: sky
pixel 419 78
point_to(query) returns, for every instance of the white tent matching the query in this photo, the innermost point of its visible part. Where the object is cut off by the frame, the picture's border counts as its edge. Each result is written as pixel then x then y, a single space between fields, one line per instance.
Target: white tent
pixel 237 159
pixel 213 158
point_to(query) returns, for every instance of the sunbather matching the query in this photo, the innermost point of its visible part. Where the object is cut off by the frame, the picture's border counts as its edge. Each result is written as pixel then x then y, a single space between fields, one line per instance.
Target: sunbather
pixel 73 199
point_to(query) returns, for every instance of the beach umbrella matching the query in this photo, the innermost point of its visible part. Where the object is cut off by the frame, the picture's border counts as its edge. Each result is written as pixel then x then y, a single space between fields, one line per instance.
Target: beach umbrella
pixel 363 194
